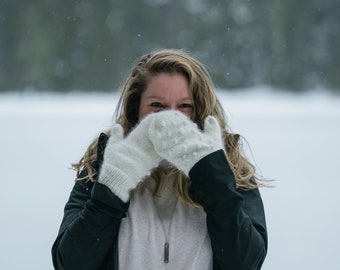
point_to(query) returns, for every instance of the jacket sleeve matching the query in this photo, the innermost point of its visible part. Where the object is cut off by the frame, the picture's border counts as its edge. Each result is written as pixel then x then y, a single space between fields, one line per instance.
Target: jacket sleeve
pixel 90 224
pixel 235 218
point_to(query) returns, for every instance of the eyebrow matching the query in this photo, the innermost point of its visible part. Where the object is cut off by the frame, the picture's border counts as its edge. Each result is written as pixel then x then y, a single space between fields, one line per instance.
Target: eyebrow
pixel 157 97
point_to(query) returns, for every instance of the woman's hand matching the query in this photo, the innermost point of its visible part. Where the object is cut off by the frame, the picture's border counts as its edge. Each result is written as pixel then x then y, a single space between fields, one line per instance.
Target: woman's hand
pixel 176 138
pixel 128 160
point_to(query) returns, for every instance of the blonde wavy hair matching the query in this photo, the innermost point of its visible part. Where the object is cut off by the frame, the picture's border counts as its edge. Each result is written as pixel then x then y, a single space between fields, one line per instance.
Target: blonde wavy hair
pixel 205 103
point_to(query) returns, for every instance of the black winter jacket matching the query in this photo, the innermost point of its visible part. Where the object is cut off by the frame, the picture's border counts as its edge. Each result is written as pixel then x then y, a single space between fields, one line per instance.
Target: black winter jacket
pixel 88 235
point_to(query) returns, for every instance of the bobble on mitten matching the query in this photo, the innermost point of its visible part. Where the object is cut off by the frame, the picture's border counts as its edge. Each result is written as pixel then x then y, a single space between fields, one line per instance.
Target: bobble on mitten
pixel 179 140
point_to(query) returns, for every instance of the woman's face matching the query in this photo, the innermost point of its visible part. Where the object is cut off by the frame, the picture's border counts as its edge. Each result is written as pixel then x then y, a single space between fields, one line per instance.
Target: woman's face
pixel 166 91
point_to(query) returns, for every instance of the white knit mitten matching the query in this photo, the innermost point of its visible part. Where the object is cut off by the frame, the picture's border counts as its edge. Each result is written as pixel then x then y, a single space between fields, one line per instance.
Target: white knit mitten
pixel 128 160
pixel 177 139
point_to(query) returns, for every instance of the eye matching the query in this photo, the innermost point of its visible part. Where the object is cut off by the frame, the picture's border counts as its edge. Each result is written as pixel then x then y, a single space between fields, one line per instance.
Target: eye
pixel 156 105
pixel 186 106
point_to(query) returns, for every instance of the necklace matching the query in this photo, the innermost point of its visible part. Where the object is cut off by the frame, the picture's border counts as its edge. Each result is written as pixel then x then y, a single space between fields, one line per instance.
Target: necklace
pixel 166 231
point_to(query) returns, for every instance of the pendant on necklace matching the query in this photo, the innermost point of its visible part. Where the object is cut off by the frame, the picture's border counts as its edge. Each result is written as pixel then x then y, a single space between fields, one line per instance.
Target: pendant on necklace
pixel 166 252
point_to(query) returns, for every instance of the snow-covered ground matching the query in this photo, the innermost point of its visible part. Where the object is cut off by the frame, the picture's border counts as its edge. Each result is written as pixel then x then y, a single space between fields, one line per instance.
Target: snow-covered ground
pixel 294 139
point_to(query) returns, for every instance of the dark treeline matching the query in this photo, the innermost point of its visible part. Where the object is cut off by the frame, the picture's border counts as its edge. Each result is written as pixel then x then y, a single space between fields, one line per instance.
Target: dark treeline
pixel 62 45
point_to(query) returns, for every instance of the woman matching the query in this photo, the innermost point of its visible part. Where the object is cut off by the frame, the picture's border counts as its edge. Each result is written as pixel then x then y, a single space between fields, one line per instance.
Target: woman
pixel 167 186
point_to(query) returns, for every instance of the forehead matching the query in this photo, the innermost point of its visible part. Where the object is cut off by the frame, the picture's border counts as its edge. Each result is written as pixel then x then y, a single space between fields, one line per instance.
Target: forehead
pixel 167 83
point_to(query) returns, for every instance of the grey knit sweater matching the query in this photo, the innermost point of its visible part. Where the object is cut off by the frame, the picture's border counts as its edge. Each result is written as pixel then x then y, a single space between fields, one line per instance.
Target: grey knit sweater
pixel 142 235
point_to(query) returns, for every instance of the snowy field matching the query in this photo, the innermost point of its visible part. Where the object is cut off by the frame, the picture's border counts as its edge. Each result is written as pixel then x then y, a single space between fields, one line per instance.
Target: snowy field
pixel 294 139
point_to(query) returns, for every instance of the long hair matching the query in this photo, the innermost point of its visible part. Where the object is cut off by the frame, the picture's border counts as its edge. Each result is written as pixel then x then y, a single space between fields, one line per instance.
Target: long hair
pixel 205 102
